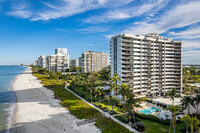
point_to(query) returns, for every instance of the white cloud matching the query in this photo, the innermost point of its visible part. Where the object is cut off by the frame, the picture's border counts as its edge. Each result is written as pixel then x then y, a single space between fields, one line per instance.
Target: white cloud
pixel 93 29
pixel 180 16
pixel 189 45
pixel 65 9
pixel 20 11
pixel 128 11
pixel 189 33
pixel 114 3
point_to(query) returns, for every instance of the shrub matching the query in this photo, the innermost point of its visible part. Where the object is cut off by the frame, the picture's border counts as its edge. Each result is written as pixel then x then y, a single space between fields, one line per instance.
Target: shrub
pixel 100 106
pixel 122 118
pixel 140 126
pixel 119 105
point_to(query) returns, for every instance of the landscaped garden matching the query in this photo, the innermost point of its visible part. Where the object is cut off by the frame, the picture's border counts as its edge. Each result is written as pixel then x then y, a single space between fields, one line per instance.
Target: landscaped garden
pixel 90 87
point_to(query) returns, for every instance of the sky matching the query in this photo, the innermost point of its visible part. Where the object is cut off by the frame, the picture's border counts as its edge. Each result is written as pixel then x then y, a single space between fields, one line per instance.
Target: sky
pixel 29 28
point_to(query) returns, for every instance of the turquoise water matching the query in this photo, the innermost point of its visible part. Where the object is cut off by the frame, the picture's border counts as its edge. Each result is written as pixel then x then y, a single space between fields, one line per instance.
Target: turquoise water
pixel 7 97
pixel 149 110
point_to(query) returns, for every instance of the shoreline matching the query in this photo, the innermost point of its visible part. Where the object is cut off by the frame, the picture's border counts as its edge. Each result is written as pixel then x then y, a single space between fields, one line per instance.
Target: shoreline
pixel 43 113
pixel 12 108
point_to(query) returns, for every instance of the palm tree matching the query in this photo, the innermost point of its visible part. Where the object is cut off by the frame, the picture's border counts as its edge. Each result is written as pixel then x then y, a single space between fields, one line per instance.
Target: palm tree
pixel 99 91
pixel 186 102
pixel 186 119
pixel 115 81
pixel 193 122
pixel 197 101
pixel 172 94
pixel 113 101
pixel 130 105
pixel 173 110
pixel 124 90
pixel 108 98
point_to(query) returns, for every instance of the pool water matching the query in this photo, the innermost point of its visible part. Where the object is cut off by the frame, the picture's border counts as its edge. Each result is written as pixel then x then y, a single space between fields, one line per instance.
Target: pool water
pixel 149 110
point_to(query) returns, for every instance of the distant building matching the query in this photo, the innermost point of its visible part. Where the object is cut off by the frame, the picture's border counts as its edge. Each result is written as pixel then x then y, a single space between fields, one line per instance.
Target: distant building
pixel 74 63
pixel 93 61
pixel 150 64
pixel 58 62
pixel 61 51
pixel 42 61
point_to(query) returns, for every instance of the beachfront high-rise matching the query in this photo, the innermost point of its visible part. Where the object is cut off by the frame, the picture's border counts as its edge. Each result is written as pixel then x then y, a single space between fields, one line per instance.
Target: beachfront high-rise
pixel 41 61
pixel 93 61
pixel 150 64
pixel 58 62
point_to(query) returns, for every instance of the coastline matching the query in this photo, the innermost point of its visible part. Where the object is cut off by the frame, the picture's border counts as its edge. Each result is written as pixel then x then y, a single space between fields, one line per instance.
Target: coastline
pixel 41 113
pixel 12 107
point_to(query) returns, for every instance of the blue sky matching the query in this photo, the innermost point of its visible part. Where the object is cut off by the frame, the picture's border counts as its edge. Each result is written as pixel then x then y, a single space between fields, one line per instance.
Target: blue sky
pixel 29 28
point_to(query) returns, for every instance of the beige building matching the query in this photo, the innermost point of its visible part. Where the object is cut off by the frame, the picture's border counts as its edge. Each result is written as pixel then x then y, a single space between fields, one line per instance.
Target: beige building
pixel 150 64
pixel 41 61
pixel 58 62
pixel 93 61
pixel 74 63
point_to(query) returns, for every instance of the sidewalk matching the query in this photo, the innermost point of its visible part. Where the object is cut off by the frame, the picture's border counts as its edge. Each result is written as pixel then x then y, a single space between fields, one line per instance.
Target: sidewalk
pixel 105 113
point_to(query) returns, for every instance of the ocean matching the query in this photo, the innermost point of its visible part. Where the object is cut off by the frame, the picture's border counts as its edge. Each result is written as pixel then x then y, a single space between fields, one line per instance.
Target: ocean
pixel 7 96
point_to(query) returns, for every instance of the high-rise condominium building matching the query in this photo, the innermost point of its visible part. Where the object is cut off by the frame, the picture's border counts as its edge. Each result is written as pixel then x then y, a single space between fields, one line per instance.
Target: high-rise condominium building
pixel 94 61
pixel 42 61
pixel 58 62
pixel 150 64
pixel 61 51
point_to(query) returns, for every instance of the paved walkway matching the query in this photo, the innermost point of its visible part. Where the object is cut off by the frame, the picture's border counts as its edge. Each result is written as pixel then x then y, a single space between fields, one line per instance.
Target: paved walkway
pixel 105 113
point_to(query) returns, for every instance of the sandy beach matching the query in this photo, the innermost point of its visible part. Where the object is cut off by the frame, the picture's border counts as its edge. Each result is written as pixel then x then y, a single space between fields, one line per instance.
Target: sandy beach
pixel 38 112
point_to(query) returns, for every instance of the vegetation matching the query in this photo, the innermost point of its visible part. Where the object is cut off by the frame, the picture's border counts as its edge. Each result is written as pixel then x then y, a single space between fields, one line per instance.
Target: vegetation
pixel 77 107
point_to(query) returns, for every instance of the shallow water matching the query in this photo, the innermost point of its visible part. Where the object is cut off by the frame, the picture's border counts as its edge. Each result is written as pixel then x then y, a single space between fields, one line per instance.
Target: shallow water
pixel 7 97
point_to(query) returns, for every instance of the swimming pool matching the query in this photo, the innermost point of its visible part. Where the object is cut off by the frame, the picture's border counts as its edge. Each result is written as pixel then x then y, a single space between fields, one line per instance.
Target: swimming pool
pixel 149 110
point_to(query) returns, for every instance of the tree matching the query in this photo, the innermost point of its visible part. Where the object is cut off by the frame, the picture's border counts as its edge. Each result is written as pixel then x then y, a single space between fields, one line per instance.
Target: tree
pixel 92 79
pixel 172 94
pixel 197 101
pixel 108 98
pixel 130 105
pixel 186 102
pixel 99 91
pixel 113 100
pixel 124 90
pixel 173 110
pixel 115 80
pixel 192 121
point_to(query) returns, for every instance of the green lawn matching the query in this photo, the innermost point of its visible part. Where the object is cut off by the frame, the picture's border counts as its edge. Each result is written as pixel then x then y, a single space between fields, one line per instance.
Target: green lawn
pixel 109 126
pixel 154 127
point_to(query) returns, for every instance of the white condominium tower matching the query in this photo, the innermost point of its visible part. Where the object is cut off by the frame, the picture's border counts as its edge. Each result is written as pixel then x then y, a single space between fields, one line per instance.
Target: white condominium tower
pixel 93 61
pixel 74 63
pixel 58 62
pixel 42 61
pixel 150 64
pixel 61 51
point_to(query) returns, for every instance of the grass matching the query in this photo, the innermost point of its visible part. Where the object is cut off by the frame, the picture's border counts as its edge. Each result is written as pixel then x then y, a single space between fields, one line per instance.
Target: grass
pixel 154 127
pixel 109 126
pixel 116 109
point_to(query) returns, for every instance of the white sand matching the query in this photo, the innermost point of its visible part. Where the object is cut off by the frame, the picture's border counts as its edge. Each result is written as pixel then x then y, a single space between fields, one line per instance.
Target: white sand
pixel 38 112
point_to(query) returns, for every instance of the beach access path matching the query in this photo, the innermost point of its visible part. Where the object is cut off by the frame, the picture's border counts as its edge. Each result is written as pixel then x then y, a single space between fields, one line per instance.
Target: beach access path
pixel 38 112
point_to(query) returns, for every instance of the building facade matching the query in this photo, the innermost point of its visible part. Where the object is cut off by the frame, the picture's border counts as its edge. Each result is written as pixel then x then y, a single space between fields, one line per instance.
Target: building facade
pixel 93 61
pixel 42 61
pixel 58 62
pixel 74 63
pixel 150 64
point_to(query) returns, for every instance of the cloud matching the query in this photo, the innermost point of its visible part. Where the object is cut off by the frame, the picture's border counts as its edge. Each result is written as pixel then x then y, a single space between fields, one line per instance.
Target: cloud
pixel 189 45
pixel 113 3
pixel 94 29
pixel 128 11
pixel 190 33
pixel 178 17
pixel 20 11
